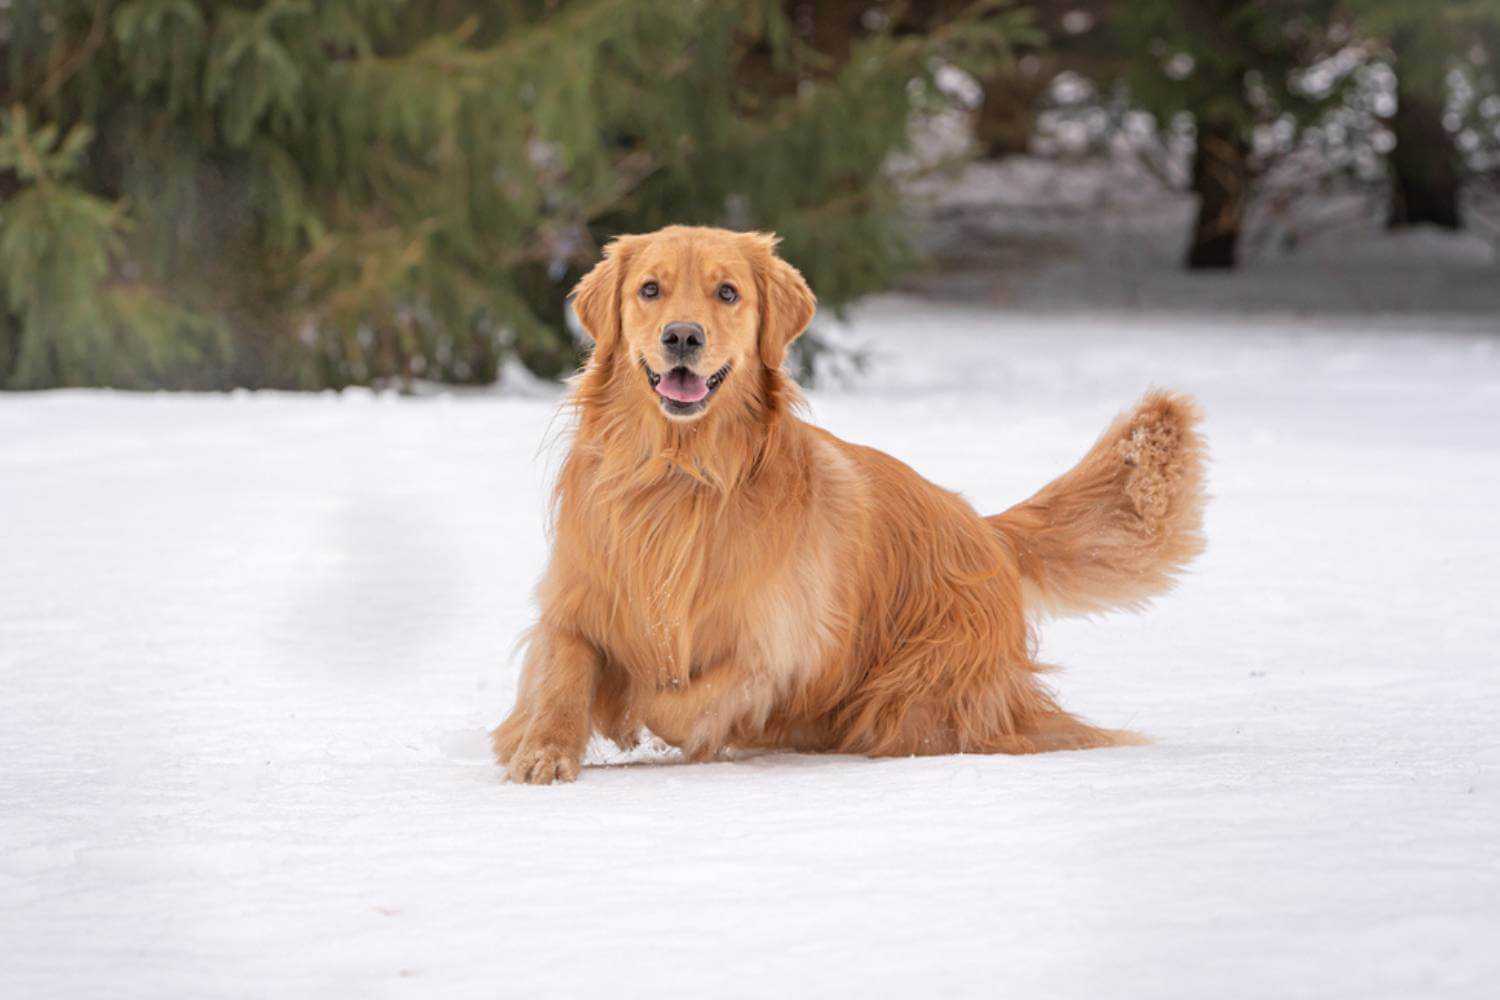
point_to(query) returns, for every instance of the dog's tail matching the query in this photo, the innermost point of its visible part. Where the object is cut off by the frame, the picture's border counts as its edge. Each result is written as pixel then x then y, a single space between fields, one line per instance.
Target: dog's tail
pixel 1116 529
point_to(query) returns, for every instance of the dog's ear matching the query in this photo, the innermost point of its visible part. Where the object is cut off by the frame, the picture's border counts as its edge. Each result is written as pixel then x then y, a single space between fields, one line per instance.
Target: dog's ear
pixel 786 303
pixel 596 297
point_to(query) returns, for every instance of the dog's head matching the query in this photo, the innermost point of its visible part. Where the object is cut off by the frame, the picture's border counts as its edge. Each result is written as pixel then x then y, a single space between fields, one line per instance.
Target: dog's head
pixel 691 316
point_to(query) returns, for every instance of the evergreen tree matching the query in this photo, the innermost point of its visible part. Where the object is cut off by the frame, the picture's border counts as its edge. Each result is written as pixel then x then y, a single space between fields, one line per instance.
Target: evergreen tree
pixel 1426 45
pixel 1233 66
pixel 205 193
pixel 1070 36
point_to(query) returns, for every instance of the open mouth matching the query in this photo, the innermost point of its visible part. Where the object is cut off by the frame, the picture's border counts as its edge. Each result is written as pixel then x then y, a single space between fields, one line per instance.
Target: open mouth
pixel 682 391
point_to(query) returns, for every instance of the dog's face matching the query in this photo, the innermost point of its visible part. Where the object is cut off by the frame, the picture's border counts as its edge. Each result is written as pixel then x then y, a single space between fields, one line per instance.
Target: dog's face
pixel 692 314
pixel 689 314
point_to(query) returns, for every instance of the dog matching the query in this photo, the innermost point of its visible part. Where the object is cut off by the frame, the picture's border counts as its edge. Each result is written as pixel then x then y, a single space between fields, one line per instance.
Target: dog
pixel 727 576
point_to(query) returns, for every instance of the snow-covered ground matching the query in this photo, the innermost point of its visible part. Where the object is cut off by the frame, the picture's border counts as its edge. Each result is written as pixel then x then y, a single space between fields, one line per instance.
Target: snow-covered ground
pixel 250 646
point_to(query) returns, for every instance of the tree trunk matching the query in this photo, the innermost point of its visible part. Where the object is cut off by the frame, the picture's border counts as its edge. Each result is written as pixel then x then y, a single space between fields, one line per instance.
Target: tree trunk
pixel 1424 165
pixel 1007 115
pixel 1221 180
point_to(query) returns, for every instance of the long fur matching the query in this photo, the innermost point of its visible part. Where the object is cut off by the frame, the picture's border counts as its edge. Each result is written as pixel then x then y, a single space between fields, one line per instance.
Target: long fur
pixel 748 580
pixel 1116 529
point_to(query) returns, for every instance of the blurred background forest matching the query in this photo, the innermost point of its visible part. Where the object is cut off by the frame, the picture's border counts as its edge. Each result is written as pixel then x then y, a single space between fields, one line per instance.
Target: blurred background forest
pixel 297 194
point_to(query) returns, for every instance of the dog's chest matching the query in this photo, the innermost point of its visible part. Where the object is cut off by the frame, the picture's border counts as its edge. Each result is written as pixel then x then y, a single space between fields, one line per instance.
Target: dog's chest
pixel 742 588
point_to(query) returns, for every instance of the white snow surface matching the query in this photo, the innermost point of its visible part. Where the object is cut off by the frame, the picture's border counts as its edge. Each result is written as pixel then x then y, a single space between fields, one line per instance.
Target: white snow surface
pixel 250 646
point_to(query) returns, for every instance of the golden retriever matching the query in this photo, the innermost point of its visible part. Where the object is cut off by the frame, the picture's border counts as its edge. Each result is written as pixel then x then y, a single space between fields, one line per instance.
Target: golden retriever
pixel 726 575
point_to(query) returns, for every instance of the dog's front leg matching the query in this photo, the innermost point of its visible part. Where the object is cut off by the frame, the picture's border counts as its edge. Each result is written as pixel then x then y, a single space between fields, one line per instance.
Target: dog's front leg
pixel 544 738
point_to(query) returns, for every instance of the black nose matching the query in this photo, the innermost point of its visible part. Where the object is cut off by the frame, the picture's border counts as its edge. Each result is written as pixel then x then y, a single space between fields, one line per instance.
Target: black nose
pixel 682 341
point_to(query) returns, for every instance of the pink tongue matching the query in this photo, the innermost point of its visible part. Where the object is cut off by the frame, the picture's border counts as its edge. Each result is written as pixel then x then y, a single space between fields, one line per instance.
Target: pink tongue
pixel 682 386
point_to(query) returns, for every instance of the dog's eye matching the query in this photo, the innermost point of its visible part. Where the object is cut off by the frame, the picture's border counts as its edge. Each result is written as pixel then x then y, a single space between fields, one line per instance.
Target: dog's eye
pixel 728 294
pixel 650 290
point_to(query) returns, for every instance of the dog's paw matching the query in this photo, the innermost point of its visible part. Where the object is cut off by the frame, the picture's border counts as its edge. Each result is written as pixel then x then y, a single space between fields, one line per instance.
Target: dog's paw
pixel 542 765
pixel 626 737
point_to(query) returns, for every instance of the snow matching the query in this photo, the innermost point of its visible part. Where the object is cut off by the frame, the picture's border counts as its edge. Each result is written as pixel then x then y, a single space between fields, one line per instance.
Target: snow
pixel 250 646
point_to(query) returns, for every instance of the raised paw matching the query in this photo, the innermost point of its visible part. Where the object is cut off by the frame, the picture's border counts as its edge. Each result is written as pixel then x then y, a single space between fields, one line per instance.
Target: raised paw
pixel 542 765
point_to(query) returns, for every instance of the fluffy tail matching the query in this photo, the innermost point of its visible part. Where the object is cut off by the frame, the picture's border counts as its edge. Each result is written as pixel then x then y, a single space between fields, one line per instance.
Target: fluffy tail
pixel 1116 529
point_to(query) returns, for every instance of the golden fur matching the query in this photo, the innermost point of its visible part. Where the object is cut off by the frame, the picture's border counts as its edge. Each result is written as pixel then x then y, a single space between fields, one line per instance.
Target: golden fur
pixel 744 579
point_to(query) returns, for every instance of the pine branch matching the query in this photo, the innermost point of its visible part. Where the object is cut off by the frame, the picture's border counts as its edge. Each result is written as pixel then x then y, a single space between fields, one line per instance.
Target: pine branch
pixel 64 68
